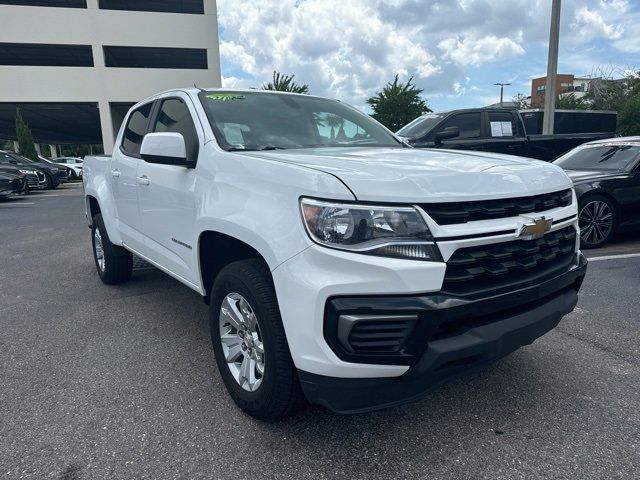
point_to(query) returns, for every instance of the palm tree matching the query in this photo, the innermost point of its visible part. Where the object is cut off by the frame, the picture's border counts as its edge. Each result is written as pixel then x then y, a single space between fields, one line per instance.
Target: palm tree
pixel 285 83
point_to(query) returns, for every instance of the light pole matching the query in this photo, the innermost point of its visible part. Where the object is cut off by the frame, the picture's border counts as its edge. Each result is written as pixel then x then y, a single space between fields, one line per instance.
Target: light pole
pixel 502 85
pixel 552 71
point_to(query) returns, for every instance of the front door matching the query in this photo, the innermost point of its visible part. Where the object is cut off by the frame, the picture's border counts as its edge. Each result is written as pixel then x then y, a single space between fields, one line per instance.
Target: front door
pixel 123 176
pixel 166 194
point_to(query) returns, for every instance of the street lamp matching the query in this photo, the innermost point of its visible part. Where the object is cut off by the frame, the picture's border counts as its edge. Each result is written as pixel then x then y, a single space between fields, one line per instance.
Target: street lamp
pixel 502 85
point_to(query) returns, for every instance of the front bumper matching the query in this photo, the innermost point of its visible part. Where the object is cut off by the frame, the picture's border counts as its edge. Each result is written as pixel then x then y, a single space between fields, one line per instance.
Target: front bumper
pixel 483 330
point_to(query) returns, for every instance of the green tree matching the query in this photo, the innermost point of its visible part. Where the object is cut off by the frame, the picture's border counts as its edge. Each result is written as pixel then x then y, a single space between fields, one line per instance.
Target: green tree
pixel 521 101
pixel 285 83
pixel 571 102
pixel 26 144
pixel 398 104
pixel 621 95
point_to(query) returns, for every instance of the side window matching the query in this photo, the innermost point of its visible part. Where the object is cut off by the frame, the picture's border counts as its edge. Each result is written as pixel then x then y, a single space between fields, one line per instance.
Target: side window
pixel 135 130
pixel 174 116
pixel 502 124
pixel 468 123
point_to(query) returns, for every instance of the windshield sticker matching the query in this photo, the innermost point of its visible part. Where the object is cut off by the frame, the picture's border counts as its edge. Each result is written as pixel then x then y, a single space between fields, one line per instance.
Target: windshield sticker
pixel 224 97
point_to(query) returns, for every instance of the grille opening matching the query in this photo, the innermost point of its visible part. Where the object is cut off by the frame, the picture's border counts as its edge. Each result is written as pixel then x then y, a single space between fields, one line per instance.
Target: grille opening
pixel 462 212
pixel 379 336
pixel 486 267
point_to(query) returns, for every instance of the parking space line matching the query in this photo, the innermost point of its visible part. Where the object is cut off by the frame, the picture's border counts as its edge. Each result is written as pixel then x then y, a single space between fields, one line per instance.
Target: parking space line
pixel 17 204
pixel 613 257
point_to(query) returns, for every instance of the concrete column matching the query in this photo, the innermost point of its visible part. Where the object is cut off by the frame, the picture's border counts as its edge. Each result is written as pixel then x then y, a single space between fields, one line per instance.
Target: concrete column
pixel 37 145
pixel 15 147
pixel 106 124
pixel 53 150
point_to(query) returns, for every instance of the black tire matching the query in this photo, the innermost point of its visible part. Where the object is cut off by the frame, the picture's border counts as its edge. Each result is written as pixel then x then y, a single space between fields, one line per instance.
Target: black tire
pixel 596 228
pixel 118 262
pixel 48 182
pixel 72 176
pixel 279 394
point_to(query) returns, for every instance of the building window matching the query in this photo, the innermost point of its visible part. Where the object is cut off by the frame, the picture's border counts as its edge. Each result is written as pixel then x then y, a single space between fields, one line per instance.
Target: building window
pixel 46 55
pixel 541 89
pixel 47 3
pixel 172 6
pixel 154 57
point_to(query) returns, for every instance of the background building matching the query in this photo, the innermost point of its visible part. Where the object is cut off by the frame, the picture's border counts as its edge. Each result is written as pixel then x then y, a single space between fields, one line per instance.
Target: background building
pixel 74 67
pixel 565 83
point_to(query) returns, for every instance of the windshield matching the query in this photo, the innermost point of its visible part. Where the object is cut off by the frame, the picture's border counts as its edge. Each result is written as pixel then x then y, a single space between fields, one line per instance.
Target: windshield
pixel 268 121
pixel 608 156
pixel 421 125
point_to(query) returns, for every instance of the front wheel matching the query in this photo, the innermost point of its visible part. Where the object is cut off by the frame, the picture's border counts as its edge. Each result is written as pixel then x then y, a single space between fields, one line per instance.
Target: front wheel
pixel 249 342
pixel 597 219
pixel 114 263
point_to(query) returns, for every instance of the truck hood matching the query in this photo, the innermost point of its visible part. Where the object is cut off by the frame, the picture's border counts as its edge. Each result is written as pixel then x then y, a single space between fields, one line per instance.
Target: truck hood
pixel 411 175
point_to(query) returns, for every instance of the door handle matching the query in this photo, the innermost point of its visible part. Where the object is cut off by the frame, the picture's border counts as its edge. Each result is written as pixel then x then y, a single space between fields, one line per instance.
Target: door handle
pixel 115 173
pixel 142 180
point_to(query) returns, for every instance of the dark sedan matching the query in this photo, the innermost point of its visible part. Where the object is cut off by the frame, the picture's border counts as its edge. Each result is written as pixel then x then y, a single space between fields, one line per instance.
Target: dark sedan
pixel 12 182
pixel 53 175
pixel 606 176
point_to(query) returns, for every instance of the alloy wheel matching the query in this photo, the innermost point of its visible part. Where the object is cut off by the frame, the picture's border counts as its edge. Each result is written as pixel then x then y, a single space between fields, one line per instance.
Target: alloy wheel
pixel 596 222
pixel 99 248
pixel 241 341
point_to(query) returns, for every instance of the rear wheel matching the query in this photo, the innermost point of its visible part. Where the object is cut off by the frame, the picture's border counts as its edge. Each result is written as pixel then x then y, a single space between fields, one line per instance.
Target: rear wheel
pixel 597 219
pixel 249 342
pixel 114 263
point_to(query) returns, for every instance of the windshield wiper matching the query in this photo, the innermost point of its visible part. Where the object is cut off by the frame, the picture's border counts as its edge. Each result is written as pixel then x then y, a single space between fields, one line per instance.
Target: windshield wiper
pixel 254 149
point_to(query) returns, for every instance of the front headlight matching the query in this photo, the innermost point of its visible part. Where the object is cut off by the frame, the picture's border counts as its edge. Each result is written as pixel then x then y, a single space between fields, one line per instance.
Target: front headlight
pixel 398 232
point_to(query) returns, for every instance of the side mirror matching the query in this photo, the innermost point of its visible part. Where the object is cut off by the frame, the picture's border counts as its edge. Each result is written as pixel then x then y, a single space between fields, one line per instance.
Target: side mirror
pixel 165 148
pixel 449 132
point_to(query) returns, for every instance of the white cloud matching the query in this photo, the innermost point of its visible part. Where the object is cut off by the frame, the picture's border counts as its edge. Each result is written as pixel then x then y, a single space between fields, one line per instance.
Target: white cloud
pixel 476 51
pixel 350 48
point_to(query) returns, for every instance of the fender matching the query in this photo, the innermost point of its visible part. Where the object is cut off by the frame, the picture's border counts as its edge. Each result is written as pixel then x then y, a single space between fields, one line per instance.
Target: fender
pixel 98 188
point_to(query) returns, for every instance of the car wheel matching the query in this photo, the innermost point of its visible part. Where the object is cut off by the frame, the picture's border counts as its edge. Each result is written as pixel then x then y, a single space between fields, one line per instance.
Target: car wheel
pixel 114 263
pixel 598 219
pixel 249 342
pixel 48 182
pixel 72 176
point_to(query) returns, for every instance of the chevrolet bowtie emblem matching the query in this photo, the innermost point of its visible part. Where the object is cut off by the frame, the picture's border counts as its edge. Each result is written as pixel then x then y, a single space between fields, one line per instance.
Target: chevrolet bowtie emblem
pixel 534 228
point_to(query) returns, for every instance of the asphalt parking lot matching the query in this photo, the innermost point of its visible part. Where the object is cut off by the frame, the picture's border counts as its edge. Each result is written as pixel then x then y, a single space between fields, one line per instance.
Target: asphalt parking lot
pixel 119 382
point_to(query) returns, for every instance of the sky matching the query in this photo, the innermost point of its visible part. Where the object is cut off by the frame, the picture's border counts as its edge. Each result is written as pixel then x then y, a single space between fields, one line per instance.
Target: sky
pixel 454 49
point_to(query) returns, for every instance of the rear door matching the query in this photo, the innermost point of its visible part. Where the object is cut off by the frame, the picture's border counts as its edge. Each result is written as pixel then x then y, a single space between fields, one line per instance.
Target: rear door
pixel 124 171
pixel 503 133
pixel 166 193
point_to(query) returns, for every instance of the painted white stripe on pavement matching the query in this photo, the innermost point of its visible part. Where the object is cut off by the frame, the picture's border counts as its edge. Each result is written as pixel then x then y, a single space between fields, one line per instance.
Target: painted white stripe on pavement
pixel 613 257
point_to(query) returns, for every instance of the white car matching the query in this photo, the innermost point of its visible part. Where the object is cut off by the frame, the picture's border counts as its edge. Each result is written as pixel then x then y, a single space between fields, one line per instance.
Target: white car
pixel 340 265
pixel 74 163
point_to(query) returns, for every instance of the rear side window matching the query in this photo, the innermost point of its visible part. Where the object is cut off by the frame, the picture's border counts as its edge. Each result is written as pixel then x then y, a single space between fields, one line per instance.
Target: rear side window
pixel 135 130
pixel 502 124
pixel 174 116
pixel 468 123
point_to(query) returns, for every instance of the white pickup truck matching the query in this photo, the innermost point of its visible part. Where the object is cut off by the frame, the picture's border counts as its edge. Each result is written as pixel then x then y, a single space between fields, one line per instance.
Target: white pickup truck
pixel 340 265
